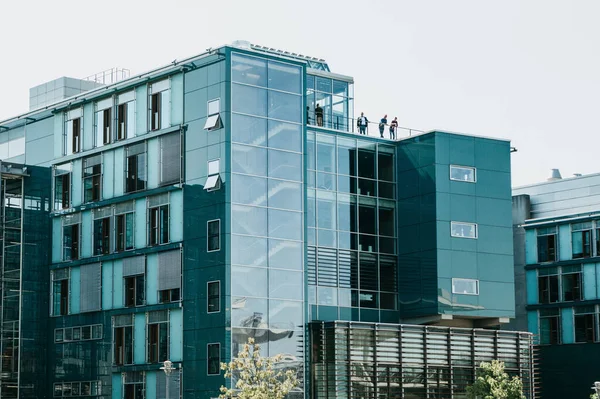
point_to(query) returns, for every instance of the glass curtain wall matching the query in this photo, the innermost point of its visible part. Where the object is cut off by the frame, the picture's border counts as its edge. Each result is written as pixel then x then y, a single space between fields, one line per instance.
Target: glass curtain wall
pixel 335 99
pixel 267 279
pixel 351 215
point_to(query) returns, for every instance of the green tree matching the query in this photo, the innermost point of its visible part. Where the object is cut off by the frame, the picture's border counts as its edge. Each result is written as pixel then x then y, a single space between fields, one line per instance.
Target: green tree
pixel 492 382
pixel 257 377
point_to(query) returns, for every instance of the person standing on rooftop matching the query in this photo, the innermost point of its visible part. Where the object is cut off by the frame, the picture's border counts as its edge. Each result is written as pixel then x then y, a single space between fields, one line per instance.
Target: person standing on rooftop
pixel 362 123
pixel 382 124
pixel 393 127
pixel 319 115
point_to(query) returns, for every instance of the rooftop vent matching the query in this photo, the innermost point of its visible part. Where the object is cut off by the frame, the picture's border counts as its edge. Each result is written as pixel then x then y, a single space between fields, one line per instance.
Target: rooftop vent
pixel 555 175
pixel 577 174
pixel 243 44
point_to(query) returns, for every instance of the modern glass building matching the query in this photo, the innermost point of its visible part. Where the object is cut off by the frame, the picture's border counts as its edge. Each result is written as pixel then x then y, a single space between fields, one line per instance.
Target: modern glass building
pixel 228 196
pixel 557 244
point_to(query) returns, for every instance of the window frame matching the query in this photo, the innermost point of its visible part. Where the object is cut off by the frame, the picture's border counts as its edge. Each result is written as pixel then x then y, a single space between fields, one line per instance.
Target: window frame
pixel 156 325
pixel 160 226
pixel 62 175
pixel 547 232
pixel 64 225
pixel 106 235
pixel 126 188
pixel 589 245
pixel 558 318
pixel 594 314
pixel 170 292
pixel 74 117
pixel 64 301
pixel 469 224
pixel 94 177
pixel 476 281
pixel 209 236
pixel 472 168
pixel 121 237
pixel 213 120
pixel 114 342
pixel 135 286
pixel 214 178
pixel 209 358
pixel 209 297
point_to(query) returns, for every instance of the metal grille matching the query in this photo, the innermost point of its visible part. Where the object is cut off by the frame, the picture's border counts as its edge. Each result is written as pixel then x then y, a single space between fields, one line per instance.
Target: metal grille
pixel 91 286
pixel 169 270
pixel 134 266
pixel 364 360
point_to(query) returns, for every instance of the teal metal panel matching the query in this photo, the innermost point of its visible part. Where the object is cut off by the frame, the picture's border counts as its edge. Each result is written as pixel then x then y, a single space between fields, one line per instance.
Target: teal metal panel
pixel 597 279
pixel 107 285
pixel 176 99
pixel 119 174
pixel 530 246
pixel 564 242
pixel 75 290
pixel 117 386
pixel 140 223
pixel 88 126
pixel 118 284
pixel 176 337
pixel 76 183
pixel 532 322
pixel 56 239
pixel 590 282
pixel 58 135
pixel 152 279
pixel 151 384
pixel 141 109
pixel 86 234
pixel 153 162
pixel 176 215
pixel 139 340
pixel 108 174
pixel 532 286
pixel 566 318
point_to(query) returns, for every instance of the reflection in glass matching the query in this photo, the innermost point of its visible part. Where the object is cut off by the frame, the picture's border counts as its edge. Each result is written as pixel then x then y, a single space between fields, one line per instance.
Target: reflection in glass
pixel 249 160
pixel 285 315
pixel 248 190
pixel 248 220
pixel 248 281
pixel 347 218
pixel 347 184
pixel 367 219
pixel 385 166
pixel 285 195
pixel 310 151
pixel 326 181
pixel 327 296
pixel 249 70
pixel 326 238
pixel 323 84
pixel 326 212
pixel 284 77
pixel 285 165
pixel 286 136
pixel 251 251
pixel 326 153
pixel 346 152
pixel 285 224
pixel 249 100
pixel 239 337
pixel 285 254
pixel 249 130
pixel 284 106
pixel 286 284
pixel 311 209
pixel 340 88
pixel 249 312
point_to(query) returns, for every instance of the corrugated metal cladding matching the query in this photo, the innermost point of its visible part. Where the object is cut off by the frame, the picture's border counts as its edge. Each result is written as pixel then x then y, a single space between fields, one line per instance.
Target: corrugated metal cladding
pixel 368 360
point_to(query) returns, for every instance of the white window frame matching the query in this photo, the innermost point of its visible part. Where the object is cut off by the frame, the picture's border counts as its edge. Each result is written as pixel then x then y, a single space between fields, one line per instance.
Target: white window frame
pixel 208 283
pixel 454 223
pixel 474 169
pixel 213 178
pixel 213 119
pixel 465 280
pixel 207 223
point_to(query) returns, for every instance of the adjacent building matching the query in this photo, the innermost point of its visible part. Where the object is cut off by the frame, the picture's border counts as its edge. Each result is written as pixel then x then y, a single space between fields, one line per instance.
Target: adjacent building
pixel 557 244
pixel 175 214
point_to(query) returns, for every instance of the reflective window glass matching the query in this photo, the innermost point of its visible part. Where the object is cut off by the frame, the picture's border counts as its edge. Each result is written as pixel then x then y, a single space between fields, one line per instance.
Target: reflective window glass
pixel 326 153
pixel 248 220
pixel 249 100
pixel 462 173
pixel 285 224
pixel 285 165
pixel 366 163
pixel 285 315
pixel 286 284
pixel 284 106
pixel 249 312
pixel 347 213
pixel 284 77
pixel 326 238
pixel 311 208
pixel 465 286
pixel 248 281
pixel 248 190
pixel 340 88
pixel 249 160
pixel 285 195
pixel 385 166
pixel 285 254
pixel 251 251
pixel 286 136
pixel 327 296
pixel 326 212
pixel 249 130
pixel 323 84
pixel 310 151
pixel 250 70
pixel 463 229
pixel 310 82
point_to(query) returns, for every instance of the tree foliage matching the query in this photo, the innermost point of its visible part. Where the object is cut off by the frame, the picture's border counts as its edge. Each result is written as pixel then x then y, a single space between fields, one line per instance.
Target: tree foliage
pixel 257 377
pixel 492 382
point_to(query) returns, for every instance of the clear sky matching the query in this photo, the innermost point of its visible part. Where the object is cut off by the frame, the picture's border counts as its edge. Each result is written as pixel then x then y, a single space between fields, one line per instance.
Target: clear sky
pixel 528 70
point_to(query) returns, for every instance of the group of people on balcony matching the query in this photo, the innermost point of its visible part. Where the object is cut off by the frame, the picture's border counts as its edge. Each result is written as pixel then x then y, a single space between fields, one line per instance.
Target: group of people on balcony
pixel 362 122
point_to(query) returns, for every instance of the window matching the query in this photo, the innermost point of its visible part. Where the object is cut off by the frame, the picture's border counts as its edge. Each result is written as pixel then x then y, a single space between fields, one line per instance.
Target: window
pixel 103 122
pixel 581 238
pixel 62 186
pixel 463 173
pixel 546 243
pixel 135 290
pixel 92 178
pixel 214 359
pixel 159 222
pixel 571 283
pixel 125 231
pixel 74 389
pixel 135 173
pixel 213 182
pixel 548 285
pixel 213 235
pixel 71 237
pixel 170 159
pixel 90 287
pixel 134 385
pixel 72 131
pixel 585 324
pixel 463 229
pixel 74 334
pixel 169 276
pixel 159 105
pixel 60 292
pixel 465 286
pixel 213 296
pixel 158 336
pixel 126 116
pixel 123 339
pixel 102 229
pixel 213 120
pixel 167 296
pixel 549 326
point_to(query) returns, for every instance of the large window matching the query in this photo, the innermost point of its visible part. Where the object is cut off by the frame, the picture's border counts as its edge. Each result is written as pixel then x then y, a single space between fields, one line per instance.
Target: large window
pixel 135 173
pixel 71 236
pixel 213 295
pixel 465 286
pixel 213 181
pixel 546 244
pixel 214 359
pixel 549 327
pixel 571 283
pixel 124 222
pixel 581 238
pixel 73 131
pixel 103 122
pixel 102 231
pixel 463 229
pixel 463 173
pixel 77 389
pixel 213 119
pixel 213 235
pixel 60 292
pixel 123 339
pixel 135 290
pixel 158 336
pixel 169 276
pixel 134 386
pixel 158 214
pixel 160 105
pixel 126 116
pixel 548 285
pixel 62 186
pixel 170 159
pixel 92 178
pixel 585 324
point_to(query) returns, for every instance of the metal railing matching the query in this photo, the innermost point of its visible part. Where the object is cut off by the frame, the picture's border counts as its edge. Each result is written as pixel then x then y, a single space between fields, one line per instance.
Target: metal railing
pixel 109 76
pixel 350 125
